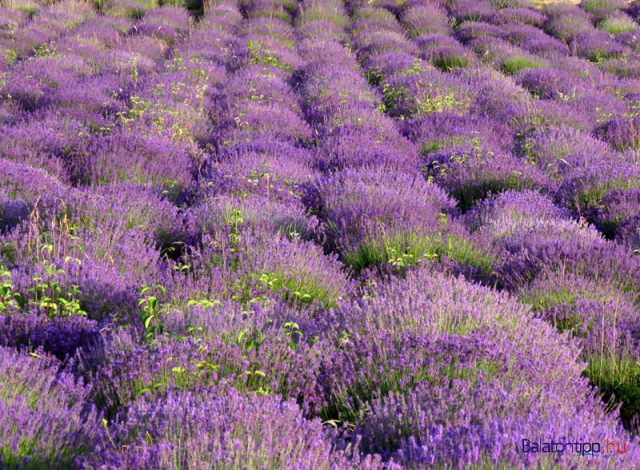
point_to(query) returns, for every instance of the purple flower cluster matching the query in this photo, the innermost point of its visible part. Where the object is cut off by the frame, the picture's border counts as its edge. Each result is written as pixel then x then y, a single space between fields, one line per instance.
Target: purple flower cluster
pixel 318 233
pixel 46 419
pixel 194 430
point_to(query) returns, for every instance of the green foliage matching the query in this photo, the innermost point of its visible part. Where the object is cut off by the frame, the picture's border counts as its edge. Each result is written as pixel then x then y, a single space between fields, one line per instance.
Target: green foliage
pixel 44 50
pixel 29 10
pixel 205 303
pixel 390 97
pixel 514 64
pixel 449 62
pixel 134 67
pixel 374 77
pixel 134 9
pixel 431 99
pixel 415 68
pixel 138 106
pixel 340 20
pixel 292 330
pixel 150 310
pixel 136 13
pixel 7 294
pixel 594 5
pixel 293 288
pixel 435 99
pixel 500 4
pixel 599 56
pixel 296 289
pixel 234 219
pixel 49 295
pixel 289 5
pixel 468 194
pixel 282 15
pixel 165 119
pixel 618 379
pixel 617 25
pixel 408 250
pixel 592 196
pixel 572 323
pixel 255 379
pixel 549 298
pixel 259 54
pixel 434 145
pixel 431 146
pixel 12 56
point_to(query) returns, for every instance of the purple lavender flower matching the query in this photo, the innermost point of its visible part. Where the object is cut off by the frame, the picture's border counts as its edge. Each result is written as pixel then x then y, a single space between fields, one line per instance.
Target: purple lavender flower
pixel 425 19
pixel 45 419
pixel 565 22
pixel 410 407
pixel 520 15
pixel 600 315
pixel 369 220
pixel 416 221
pixel 61 336
pixel 263 432
pixel 602 8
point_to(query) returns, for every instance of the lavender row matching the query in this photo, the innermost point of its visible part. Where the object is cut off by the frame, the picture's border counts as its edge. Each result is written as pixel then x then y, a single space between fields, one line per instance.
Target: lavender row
pixel 256 238
pixel 437 110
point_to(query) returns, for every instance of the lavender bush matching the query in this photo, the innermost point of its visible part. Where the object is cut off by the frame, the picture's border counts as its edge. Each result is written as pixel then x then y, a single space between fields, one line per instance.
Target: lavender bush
pixel 319 233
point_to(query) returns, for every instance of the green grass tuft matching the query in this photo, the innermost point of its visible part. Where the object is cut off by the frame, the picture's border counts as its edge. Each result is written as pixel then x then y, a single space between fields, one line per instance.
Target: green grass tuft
pixel 618 379
pixel 514 64
pixel 617 25
pixel 408 250
pixel 448 62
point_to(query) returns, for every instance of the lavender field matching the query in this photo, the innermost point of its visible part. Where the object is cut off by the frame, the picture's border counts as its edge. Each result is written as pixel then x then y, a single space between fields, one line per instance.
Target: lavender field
pixel 319 234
